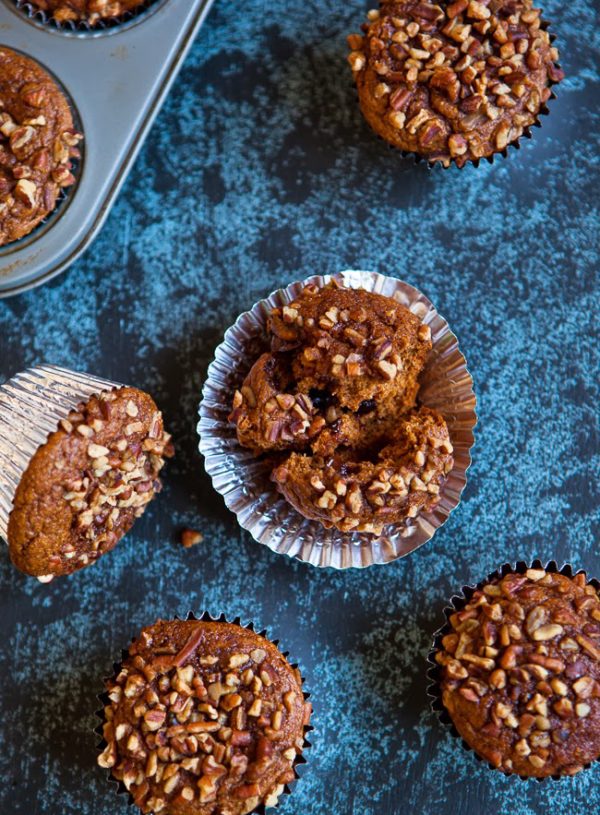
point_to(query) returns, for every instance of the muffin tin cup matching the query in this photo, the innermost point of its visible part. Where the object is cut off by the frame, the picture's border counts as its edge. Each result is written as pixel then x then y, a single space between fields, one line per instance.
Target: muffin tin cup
pixel 139 58
pixel 106 25
pixel 76 165
pixel 244 481
pixel 32 404
pixel 120 788
pixel 434 672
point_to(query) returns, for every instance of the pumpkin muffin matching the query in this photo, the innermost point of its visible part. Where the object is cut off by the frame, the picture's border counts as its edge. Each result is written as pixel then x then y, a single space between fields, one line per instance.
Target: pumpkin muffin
pixel 453 81
pixel 204 718
pixel 86 11
pixel 520 672
pixel 333 404
pixel 37 143
pixel 84 488
pixel 400 480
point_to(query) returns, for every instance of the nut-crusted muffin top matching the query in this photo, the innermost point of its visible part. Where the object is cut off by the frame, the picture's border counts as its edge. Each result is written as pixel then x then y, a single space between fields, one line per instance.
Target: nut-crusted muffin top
pixel 88 11
pixel 453 80
pixel 84 488
pixel 357 344
pixel 204 718
pixel 37 143
pixel 355 492
pixel 334 351
pixel 332 404
pixel 521 673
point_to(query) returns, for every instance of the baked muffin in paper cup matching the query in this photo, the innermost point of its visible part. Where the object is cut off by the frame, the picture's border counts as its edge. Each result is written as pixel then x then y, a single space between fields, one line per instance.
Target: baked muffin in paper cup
pixel 79 461
pixel 244 480
pixel 522 649
pixel 204 710
pixel 42 145
pixel 85 17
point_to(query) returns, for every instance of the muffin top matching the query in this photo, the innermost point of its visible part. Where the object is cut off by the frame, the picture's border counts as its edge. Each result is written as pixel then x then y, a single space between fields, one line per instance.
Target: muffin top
pixel 332 404
pixel 88 11
pixel 356 344
pixel 37 143
pixel 204 718
pixel 334 352
pixel 521 673
pixel 453 81
pixel 84 488
pixel 363 490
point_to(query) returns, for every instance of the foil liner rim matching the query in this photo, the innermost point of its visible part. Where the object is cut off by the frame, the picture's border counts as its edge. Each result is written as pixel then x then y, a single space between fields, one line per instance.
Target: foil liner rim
pixel 14 389
pixel 339 551
pixel 82 28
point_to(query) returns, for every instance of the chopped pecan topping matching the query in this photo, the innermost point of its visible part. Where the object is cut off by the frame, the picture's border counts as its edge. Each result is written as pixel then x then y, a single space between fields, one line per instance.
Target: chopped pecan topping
pixel 454 82
pixel 202 724
pixel 37 145
pixel 519 678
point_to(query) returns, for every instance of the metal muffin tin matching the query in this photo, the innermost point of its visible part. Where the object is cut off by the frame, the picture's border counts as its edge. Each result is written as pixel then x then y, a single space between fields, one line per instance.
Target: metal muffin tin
pixel 116 78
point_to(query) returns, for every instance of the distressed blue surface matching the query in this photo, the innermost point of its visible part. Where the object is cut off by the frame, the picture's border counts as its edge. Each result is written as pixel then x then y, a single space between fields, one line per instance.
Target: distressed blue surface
pixel 260 171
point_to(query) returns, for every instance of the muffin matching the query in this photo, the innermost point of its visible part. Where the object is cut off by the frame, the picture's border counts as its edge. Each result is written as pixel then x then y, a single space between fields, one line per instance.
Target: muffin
pixel 334 404
pixel 456 81
pixel 37 143
pixel 350 492
pixel 86 11
pixel 204 718
pixel 85 485
pixel 520 672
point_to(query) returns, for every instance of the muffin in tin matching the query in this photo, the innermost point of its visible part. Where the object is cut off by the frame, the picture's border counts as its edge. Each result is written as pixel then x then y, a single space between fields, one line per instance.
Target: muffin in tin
pixel 334 405
pixel 84 487
pixel 38 142
pixel 453 81
pixel 204 718
pixel 90 12
pixel 520 672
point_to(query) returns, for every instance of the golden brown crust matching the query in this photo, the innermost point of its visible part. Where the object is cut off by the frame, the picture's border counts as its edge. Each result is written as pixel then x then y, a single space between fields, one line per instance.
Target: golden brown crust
pixel 205 718
pixel 332 402
pixel 453 81
pixel 37 143
pixel 88 11
pixel 84 488
pixel 521 673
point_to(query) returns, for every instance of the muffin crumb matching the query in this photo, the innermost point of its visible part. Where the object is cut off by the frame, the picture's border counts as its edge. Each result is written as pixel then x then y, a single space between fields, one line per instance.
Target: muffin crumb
pixel 190 537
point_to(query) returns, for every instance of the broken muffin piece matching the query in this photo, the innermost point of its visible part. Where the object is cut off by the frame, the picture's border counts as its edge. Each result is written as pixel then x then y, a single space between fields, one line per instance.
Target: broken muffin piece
pixel 334 406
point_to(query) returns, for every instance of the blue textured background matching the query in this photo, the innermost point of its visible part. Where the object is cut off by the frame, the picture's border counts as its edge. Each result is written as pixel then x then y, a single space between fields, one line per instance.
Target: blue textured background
pixel 260 171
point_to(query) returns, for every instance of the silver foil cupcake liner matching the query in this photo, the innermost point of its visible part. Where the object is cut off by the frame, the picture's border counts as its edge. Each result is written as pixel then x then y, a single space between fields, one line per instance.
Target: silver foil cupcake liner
pixel 244 481
pixel 299 761
pixel 456 603
pixel 32 404
pixel 106 25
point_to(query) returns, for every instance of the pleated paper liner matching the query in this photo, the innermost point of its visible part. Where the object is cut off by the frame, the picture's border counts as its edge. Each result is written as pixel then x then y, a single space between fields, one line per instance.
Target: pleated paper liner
pixel 418 158
pixel 244 481
pixel 434 672
pixel 106 25
pixel 300 760
pixel 32 404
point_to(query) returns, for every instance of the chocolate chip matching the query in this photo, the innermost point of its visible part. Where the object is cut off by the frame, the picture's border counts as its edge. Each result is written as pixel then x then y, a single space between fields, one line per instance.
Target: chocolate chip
pixel 367 406
pixel 321 399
